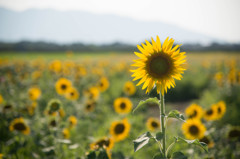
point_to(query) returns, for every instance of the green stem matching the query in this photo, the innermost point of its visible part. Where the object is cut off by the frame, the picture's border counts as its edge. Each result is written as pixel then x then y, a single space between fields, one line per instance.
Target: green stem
pixel 170 146
pixel 162 116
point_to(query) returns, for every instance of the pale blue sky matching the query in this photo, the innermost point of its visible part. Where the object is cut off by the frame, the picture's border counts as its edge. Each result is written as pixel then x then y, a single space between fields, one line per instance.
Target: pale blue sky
pixel 216 18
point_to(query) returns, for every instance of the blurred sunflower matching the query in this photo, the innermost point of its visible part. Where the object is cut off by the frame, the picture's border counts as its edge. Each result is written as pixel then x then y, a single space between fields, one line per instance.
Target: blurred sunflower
pixel 72 94
pixel 153 124
pixel 54 105
pixel 105 142
pixel 7 108
pixel 61 112
pixel 72 121
pixel 211 113
pixel 66 133
pixel 92 93
pixel 90 106
pixel 122 105
pixel 120 129
pixel 19 124
pixel 32 108
pixel 207 140
pixel 53 123
pixel 129 88
pixel 63 85
pixel 234 133
pixel 1 99
pixel 55 66
pixel 159 65
pixel 194 111
pixel 220 108
pixel 193 129
pixel 34 93
pixel 36 75
pixel 103 84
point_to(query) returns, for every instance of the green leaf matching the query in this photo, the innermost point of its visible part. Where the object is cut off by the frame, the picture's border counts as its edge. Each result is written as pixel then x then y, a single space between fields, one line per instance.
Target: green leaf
pixel 176 114
pixel 158 156
pixel 149 101
pixel 194 142
pixel 103 155
pixel 178 155
pixel 142 141
pixel 92 155
pixel 159 136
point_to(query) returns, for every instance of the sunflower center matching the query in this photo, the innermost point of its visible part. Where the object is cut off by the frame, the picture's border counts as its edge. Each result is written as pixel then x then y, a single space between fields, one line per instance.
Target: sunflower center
pixel 123 105
pixel 210 112
pixel 159 65
pixel 63 86
pixel 234 133
pixel 103 143
pixel 72 93
pixel 55 106
pixel 20 126
pixel 219 110
pixel 205 140
pixel 53 123
pixel 119 129
pixel 194 114
pixel 194 130
pixel 154 124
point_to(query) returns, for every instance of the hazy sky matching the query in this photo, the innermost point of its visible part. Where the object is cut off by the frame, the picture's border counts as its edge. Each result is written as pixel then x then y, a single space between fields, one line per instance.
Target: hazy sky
pixel 217 18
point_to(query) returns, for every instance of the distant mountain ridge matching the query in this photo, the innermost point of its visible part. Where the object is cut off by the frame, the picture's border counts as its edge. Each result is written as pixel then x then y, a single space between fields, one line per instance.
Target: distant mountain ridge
pixel 77 26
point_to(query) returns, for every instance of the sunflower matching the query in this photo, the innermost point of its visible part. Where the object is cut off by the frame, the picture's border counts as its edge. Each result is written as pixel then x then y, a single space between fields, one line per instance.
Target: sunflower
pixel 120 129
pixel 34 93
pixel 36 75
pixel 66 133
pixel 105 142
pixel 55 66
pixel 92 93
pixel 220 108
pixel 207 140
pixel 153 124
pixel 193 129
pixel 72 94
pixel 63 85
pixel 53 106
pixel 72 121
pixel 129 88
pixel 90 106
pixel 61 112
pixel 19 124
pixel 1 99
pixel 194 111
pixel 103 84
pixel 53 123
pixel 7 108
pixel 211 113
pixel 234 133
pixel 159 65
pixel 32 108
pixel 122 105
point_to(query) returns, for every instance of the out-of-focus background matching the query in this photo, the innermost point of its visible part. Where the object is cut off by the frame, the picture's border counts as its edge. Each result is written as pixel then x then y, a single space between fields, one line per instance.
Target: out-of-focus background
pixel 88 46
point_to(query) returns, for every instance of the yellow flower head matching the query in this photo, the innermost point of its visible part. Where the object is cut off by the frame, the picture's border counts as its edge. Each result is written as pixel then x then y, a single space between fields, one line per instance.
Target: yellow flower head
pixel 220 108
pixel 72 120
pixel 193 129
pixel 63 85
pixel 34 93
pixel 55 66
pixel 72 94
pixel 105 142
pixel 36 75
pixel 90 106
pixel 129 88
pixel 207 140
pixel 194 111
pixel 1 99
pixel 92 93
pixel 61 112
pixel 66 133
pixel 159 65
pixel 120 129
pixel 153 124
pixel 122 105
pixel 103 84
pixel 211 113
pixel 19 124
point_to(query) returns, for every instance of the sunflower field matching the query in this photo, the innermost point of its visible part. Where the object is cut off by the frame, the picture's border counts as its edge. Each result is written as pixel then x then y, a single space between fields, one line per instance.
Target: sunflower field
pixel 91 106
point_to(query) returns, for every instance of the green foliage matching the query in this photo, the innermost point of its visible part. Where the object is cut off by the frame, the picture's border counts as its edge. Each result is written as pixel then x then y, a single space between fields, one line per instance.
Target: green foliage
pixel 149 101
pixel 142 141
pixel 176 114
